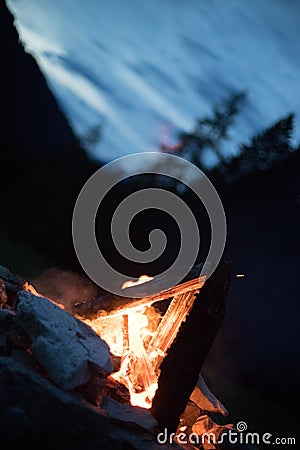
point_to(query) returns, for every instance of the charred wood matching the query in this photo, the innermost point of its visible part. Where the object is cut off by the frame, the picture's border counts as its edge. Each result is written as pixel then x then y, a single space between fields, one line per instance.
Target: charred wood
pixel 187 353
pixel 108 302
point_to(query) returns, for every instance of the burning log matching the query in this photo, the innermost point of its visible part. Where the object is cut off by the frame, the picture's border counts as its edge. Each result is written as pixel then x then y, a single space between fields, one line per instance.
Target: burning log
pixel 109 303
pixel 176 313
pixel 126 326
pixel 124 330
pixel 188 351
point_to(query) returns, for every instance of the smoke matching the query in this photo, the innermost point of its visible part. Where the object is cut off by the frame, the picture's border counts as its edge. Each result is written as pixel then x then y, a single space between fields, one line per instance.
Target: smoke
pixel 64 287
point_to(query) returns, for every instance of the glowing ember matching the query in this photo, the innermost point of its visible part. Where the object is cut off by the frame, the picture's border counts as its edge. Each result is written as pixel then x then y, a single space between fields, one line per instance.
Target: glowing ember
pixel 141 337
pixel 128 336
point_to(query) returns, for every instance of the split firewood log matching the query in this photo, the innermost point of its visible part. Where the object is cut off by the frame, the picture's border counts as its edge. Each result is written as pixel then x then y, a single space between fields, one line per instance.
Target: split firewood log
pixel 180 368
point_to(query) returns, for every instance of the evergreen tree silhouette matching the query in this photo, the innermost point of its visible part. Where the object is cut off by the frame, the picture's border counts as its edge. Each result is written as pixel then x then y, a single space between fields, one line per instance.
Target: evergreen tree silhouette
pixel 266 149
pixel 210 131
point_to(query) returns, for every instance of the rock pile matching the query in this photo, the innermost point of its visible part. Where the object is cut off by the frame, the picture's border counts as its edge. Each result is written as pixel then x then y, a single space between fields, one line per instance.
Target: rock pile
pixel 56 390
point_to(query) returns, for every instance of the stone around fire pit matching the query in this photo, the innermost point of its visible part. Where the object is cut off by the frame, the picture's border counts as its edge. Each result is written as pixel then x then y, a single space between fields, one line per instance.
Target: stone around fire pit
pixel 131 416
pixel 205 399
pixel 69 350
pixel 36 414
pixel 15 336
pixel 6 321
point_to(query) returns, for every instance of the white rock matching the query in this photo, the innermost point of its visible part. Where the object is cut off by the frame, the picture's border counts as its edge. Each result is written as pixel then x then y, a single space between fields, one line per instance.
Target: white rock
pixel 68 349
pixel 205 399
pixel 131 416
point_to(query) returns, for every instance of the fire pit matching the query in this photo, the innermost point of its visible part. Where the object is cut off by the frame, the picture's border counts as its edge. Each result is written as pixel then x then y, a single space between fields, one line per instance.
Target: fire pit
pixel 149 356
pixel 141 336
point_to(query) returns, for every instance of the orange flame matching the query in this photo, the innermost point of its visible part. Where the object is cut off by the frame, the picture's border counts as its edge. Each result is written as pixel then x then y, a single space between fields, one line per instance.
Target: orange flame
pixel 128 336
pixel 141 337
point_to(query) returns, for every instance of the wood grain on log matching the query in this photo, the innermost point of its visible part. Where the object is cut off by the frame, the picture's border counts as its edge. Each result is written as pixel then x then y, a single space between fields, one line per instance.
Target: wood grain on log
pixel 181 367
pixel 116 303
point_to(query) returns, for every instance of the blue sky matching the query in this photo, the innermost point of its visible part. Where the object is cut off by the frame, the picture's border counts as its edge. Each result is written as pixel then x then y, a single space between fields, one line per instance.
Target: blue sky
pixel 145 70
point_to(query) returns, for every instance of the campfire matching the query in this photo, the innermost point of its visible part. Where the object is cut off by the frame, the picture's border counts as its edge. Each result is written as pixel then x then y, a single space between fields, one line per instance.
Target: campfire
pixel 139 352
pixel 141 336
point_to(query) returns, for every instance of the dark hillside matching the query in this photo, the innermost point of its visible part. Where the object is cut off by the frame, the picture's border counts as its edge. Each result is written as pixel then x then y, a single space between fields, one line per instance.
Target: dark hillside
pixel 42 164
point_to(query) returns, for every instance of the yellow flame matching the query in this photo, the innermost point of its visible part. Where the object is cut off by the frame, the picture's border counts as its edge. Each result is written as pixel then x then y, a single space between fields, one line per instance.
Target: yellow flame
pixel 128 336
pixel 141 280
